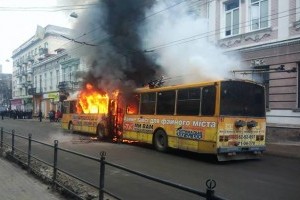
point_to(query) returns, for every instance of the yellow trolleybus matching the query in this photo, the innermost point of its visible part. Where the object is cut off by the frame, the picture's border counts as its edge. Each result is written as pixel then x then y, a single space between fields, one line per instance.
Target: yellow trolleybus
pixel 225 118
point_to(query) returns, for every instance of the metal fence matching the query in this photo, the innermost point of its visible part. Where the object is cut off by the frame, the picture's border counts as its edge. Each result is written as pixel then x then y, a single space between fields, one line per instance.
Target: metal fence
pixel 20 145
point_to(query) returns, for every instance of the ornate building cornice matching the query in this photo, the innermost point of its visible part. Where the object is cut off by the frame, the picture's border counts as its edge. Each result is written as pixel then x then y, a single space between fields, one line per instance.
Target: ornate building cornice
pixel 255 36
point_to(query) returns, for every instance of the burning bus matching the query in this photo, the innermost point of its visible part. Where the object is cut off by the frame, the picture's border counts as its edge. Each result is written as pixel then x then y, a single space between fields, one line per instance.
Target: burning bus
pixel 93 111
pixel 225 118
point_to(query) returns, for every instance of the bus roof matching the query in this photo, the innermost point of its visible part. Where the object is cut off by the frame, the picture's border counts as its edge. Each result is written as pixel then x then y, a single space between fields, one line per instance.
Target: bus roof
pixel 190 85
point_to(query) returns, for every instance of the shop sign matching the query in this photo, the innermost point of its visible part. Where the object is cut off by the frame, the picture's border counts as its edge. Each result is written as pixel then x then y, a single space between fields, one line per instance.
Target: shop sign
pixel 52 95
pixel 16 102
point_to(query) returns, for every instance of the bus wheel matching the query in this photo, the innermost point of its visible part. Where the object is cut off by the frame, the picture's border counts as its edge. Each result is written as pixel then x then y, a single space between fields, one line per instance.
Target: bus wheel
pixel 161 140
pixel 71 127
pixel 100 132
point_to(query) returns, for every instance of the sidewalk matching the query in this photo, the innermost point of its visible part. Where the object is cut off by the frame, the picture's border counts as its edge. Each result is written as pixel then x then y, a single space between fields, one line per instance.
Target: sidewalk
pixel 16 184
pixel 284 149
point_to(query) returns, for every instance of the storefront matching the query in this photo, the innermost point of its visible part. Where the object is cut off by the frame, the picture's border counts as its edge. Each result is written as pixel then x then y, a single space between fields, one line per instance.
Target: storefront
pixel 16 104
pixel 49 102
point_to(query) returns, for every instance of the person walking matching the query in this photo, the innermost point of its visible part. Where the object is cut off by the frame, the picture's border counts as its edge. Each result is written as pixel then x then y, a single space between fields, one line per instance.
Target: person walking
pixel 2 115
pixel 40 116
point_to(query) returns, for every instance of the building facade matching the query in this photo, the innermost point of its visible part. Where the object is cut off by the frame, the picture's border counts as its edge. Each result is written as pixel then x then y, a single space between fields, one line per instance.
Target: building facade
pixel 266 35
pixel 38 72
pixel 5 91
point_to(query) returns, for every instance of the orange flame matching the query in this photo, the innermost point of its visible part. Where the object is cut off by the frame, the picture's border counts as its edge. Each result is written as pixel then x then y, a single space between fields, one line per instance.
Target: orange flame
pixel 91 101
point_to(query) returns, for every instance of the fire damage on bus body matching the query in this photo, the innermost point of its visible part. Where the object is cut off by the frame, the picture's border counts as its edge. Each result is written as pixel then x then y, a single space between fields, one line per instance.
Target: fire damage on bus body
pixel 93 112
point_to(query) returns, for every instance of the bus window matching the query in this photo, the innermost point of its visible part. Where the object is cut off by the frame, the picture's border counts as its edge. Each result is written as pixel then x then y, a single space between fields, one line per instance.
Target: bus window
pixel 208 100
pixel 165 103
pixel 188 102
pixel 72 107
pixel 66 107
pixel 242 99
pixel 148 103
pixel 133 105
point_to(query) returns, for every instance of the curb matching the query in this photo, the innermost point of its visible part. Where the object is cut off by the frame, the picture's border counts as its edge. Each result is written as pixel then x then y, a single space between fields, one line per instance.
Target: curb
pixel 290 150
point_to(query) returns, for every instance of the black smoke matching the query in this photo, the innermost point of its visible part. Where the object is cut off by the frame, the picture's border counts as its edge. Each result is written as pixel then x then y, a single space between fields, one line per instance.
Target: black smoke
pixel 118 60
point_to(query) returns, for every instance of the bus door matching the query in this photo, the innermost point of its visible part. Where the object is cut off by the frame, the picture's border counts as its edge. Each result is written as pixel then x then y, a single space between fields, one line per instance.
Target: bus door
pixel 116 115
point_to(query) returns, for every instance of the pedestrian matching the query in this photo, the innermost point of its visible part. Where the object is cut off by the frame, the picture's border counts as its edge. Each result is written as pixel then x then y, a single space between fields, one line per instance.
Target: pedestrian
pixel 57 115
pixel 2 115
pixel 14 114
pixel 40 116
pixel 52 115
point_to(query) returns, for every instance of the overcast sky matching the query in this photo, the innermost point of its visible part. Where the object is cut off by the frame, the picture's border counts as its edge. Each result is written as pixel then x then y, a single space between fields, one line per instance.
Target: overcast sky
pixel 16 27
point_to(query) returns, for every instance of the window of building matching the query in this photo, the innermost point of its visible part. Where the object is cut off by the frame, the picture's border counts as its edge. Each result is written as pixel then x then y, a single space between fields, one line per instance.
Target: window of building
pixel 208 103
pixel 232 17
pixel 298 10
pixel 188 101
pixel 45 82
pixel 298 85
pixel 40 50
pixel 70 74
pixel 259 14
pixel 51 80
pixel 148 103
pixel 166 103
pixel 41 80
pixel 64 74
pixel 57 76
pixel 35 81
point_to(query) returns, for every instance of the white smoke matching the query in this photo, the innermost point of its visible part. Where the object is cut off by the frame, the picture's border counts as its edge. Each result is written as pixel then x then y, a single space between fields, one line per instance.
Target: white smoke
pixel 190 61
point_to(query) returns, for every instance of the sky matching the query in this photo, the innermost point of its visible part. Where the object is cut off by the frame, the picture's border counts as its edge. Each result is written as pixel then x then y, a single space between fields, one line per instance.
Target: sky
pixel 16 27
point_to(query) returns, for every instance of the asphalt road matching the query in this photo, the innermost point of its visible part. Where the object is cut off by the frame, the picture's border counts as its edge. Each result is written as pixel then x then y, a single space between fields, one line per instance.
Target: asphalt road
pixel 271 177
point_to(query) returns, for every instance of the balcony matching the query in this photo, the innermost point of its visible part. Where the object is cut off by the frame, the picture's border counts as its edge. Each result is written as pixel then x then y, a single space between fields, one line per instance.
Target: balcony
pixel 29 71
pixel 19 64
pixel 43 51
pixel 30 58
pixel 18 74
pixel 65 85
pixel 26 84
pixel 19 86
pixel 31 91
pixel 41 57
pixel 24 72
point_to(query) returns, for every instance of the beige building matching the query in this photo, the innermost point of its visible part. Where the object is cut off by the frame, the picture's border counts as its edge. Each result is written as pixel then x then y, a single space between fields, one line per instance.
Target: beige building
pixel 266 33
pixel 5 91
pixel 37 70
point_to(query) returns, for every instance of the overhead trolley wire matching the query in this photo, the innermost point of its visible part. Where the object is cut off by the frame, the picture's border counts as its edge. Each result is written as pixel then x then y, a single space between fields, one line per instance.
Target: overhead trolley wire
pixel 145 18
pixel 215 32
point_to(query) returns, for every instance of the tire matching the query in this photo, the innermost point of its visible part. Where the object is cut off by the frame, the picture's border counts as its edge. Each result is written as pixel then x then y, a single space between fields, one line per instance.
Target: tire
pixel 161 141
pixel 71 127
pixel 100 132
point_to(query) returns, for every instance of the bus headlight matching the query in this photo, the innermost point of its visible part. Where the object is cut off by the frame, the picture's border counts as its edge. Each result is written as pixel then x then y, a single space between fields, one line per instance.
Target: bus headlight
pixel 251 124
pixel 240 123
